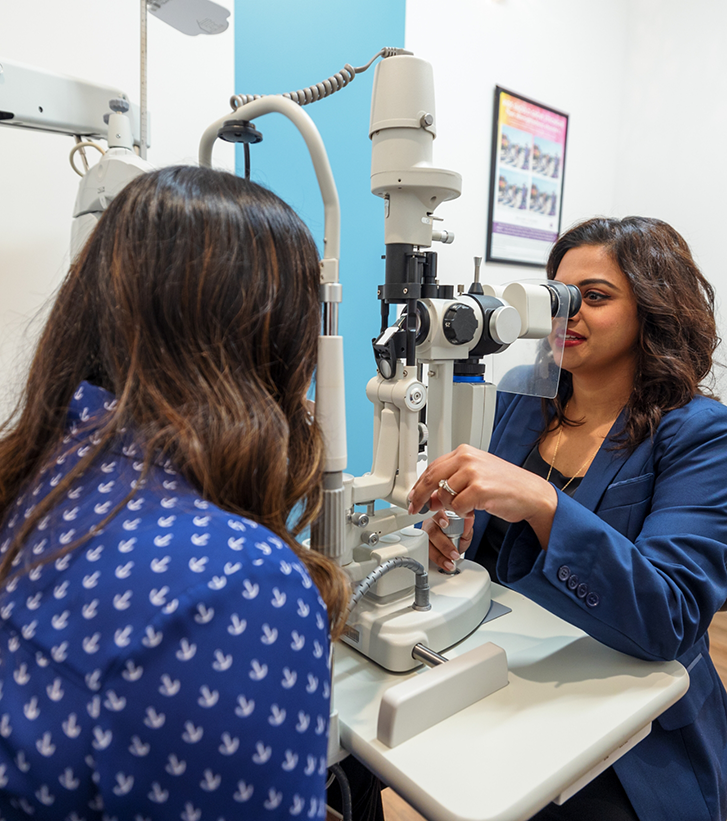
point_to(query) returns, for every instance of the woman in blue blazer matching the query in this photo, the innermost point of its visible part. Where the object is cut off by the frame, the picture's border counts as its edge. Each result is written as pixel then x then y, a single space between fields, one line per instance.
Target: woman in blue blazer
pixel 608 504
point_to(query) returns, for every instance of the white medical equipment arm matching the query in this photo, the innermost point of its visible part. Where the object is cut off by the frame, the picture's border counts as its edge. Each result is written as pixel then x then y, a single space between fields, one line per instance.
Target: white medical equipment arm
pixel 101 183
pixel 40 100
pixel 331 208
pixel 46 101
pixel 328 535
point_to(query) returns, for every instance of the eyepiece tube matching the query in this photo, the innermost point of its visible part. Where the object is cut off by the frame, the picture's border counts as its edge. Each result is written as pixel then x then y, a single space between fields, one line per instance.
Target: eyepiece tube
pixel 576 300
pixel 559 291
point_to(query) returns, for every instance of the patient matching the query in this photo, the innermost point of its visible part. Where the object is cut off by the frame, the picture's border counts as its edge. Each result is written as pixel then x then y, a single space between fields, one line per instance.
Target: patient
pixel 164 641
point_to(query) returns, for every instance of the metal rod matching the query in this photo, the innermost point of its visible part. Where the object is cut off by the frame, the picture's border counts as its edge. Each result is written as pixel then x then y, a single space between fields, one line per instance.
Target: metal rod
pixel 330 318
pixel 143 125
pixel 427 656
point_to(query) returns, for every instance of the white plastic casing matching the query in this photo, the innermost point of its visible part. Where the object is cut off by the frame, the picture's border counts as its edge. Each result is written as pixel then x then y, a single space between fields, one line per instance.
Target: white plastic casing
pixel 330 401
pixel 119 135
pixel 472 423
pixel 99 186
pixel 532 302
pixel 418 703
pixel 47 101
pixel 387 631
pixel 402 128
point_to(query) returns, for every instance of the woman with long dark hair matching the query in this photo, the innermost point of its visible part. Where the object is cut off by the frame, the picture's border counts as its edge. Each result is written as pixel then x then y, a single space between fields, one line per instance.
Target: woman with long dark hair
pixel 608 504
pixel 164 645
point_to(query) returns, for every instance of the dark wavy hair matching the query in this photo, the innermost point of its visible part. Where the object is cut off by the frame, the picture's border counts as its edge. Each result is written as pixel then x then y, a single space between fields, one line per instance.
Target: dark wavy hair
pixel 195 302
pixel 675 309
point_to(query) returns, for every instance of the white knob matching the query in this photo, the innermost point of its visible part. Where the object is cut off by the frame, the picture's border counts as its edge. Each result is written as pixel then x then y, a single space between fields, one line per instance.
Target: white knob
pixel 416 396
pixel 505 325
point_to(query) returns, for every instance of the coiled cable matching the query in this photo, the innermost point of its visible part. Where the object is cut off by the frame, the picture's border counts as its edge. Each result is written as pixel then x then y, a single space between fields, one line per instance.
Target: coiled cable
pixel 324 89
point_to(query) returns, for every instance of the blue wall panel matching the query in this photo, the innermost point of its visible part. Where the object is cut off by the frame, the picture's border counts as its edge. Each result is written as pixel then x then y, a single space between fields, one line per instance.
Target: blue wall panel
pixel 284 46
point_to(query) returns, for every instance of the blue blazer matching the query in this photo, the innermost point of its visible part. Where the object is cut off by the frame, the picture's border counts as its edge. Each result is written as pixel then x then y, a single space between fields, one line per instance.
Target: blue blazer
pixel 638 560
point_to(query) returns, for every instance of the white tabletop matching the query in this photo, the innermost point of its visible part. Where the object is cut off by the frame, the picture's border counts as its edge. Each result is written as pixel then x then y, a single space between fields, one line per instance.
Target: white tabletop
pixel 569 704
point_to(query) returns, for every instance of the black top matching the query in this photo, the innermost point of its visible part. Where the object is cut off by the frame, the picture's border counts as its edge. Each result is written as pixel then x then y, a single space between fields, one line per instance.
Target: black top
pixel 494 535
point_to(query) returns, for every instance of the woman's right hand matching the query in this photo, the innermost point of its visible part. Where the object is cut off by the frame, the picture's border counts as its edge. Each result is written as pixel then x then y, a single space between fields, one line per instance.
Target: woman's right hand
pixel 441 548
pixel 482 481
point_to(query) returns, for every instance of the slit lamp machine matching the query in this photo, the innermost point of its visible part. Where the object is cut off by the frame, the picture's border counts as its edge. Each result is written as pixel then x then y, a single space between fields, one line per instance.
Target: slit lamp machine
pixel 429 392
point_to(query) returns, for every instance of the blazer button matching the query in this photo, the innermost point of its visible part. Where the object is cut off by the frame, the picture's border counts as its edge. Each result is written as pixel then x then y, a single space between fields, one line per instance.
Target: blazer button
pixel 582 591
pixel 564 573
pixel 592 599
pixel 572 582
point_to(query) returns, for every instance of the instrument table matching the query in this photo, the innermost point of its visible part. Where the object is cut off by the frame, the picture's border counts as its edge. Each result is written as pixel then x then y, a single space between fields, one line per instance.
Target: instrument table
pixel 572 706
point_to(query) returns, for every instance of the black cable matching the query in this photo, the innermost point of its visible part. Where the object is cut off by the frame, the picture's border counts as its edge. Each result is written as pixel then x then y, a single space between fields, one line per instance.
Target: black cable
pixel 247 161
pixel 345 787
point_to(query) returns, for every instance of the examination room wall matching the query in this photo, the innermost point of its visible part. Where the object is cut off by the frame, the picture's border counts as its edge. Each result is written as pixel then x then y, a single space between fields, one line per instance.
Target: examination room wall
pixel 673 130
pixel 190 83
pixel 302 44
pixel 555 53
pixel 644 83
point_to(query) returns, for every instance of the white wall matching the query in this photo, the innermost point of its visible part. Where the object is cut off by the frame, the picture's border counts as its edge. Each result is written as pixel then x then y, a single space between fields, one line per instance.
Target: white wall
pixel 190 83
pixel 644 83
pixel 673 128
pixel 567 54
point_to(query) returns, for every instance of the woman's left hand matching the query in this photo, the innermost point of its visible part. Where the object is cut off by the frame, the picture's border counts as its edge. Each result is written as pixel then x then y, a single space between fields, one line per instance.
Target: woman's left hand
pixel 482 481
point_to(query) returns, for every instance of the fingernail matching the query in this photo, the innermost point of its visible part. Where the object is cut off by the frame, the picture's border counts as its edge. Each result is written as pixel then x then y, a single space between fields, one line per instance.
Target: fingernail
pixel 410 509
pixel 448 566
pixel 454 555
pixel 443 523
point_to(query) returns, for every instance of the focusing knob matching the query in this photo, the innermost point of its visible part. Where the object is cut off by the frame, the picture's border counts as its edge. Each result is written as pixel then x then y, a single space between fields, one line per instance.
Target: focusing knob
pixel 505 325
pixel 460 324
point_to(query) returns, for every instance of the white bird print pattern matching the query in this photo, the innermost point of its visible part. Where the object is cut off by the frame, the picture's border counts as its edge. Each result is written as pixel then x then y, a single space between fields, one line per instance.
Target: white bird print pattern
pixel 180 645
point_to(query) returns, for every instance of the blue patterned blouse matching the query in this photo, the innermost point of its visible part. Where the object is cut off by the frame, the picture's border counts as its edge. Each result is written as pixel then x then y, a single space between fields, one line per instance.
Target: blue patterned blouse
pixel 175 666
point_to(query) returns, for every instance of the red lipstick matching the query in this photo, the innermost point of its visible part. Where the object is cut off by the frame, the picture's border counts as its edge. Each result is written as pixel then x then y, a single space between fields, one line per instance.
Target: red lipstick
pixel 569 339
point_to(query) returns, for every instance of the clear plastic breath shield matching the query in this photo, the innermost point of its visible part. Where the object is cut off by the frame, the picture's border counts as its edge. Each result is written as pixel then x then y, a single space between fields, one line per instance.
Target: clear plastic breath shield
pixel 532 367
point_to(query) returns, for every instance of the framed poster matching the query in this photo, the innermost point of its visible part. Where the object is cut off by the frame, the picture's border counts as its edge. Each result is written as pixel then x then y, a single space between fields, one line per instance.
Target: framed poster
pixel 526 179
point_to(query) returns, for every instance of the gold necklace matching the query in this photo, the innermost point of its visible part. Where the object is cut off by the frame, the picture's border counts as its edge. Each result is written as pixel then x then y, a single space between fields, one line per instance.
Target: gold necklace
pixel 555 453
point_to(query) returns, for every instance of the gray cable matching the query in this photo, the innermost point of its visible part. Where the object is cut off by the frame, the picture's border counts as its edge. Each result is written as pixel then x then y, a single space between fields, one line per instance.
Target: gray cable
pixel 320 91
pixel 346 798
pixel 421 582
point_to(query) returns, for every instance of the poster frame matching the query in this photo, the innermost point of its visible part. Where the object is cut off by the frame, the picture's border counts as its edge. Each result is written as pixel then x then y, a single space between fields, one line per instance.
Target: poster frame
pixel 513 259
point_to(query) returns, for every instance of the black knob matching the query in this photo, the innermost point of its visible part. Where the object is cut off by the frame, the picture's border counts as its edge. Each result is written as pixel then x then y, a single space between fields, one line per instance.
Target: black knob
pixel 239 131
pixel 460 324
